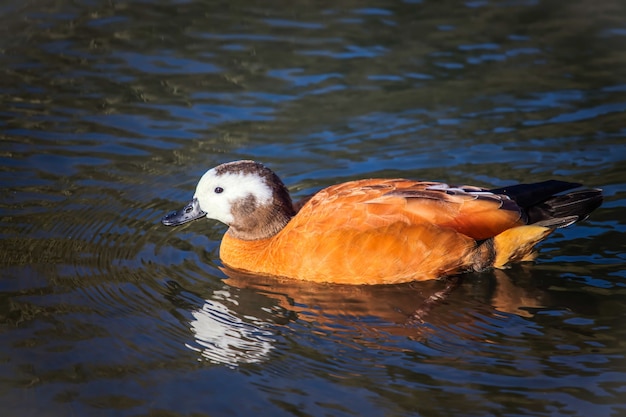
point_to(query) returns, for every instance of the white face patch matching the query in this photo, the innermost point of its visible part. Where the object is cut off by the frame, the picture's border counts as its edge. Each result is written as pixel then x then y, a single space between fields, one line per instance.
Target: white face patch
pixel 235 186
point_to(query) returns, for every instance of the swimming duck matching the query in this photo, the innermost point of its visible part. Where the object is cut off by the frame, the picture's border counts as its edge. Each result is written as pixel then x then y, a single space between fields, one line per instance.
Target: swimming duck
pixel 378 231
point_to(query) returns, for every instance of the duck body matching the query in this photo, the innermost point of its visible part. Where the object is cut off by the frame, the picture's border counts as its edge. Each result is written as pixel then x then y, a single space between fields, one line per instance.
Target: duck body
pixel 377 231
pixel 365 232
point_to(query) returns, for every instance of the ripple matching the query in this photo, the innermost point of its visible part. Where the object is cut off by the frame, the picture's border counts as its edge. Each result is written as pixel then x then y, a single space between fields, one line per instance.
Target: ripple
pixel 166 63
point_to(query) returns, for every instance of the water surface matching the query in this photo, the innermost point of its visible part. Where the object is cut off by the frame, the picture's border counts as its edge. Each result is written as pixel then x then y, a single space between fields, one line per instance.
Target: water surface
pixel 111 111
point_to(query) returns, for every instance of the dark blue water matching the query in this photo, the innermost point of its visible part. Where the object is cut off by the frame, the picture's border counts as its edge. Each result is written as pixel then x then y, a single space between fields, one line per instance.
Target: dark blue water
pixel 110 112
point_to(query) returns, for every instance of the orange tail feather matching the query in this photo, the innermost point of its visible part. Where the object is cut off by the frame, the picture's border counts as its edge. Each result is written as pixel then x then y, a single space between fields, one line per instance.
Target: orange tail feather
pixel 518 244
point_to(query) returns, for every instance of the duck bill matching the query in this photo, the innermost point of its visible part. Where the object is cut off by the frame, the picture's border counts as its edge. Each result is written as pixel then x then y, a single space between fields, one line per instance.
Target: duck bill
pixel 188 213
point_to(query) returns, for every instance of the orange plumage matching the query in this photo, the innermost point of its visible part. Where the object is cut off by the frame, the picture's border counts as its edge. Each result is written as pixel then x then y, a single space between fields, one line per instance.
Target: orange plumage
pixel 374 231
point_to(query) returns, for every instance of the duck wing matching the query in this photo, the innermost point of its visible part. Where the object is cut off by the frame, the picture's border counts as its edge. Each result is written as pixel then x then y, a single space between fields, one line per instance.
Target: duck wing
pixel 371 204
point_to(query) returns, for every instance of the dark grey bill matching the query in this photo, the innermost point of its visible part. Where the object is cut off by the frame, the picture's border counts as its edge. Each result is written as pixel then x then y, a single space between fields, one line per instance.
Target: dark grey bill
pixel 188 213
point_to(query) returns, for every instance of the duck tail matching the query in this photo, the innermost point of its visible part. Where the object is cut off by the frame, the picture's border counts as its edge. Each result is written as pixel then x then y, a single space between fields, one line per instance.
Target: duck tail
pixel 540 201
pixel 545 212
pixel 518 244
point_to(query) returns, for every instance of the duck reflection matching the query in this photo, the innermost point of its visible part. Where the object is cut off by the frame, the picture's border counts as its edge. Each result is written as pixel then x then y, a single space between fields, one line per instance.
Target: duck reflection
pixel 222 333
pixel 223 337
pixel 400 304
pixel 242 322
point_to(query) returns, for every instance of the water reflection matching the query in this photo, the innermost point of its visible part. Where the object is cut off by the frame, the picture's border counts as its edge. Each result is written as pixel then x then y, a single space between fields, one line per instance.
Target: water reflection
pixel 403 304
pixel 220 334
pixel 246 319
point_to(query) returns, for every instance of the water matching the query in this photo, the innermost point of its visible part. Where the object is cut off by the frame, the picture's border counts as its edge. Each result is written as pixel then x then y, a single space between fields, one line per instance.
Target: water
pixel 110 112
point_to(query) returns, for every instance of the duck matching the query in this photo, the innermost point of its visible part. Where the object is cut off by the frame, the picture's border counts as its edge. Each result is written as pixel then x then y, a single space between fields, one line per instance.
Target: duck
pixel 378 230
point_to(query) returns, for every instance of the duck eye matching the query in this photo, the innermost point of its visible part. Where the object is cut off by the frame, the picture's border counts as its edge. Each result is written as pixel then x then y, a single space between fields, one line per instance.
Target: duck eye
pixel 218 190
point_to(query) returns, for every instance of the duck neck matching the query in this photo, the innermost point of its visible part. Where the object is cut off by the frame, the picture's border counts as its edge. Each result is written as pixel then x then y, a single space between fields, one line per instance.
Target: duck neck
pixel 263 223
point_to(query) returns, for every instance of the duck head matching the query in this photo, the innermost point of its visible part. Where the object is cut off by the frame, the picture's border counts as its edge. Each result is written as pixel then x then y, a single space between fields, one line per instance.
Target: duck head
pixel 245 195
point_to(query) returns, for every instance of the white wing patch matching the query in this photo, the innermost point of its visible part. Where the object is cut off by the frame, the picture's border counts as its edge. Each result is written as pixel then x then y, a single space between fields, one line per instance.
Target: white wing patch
pixel 476 191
